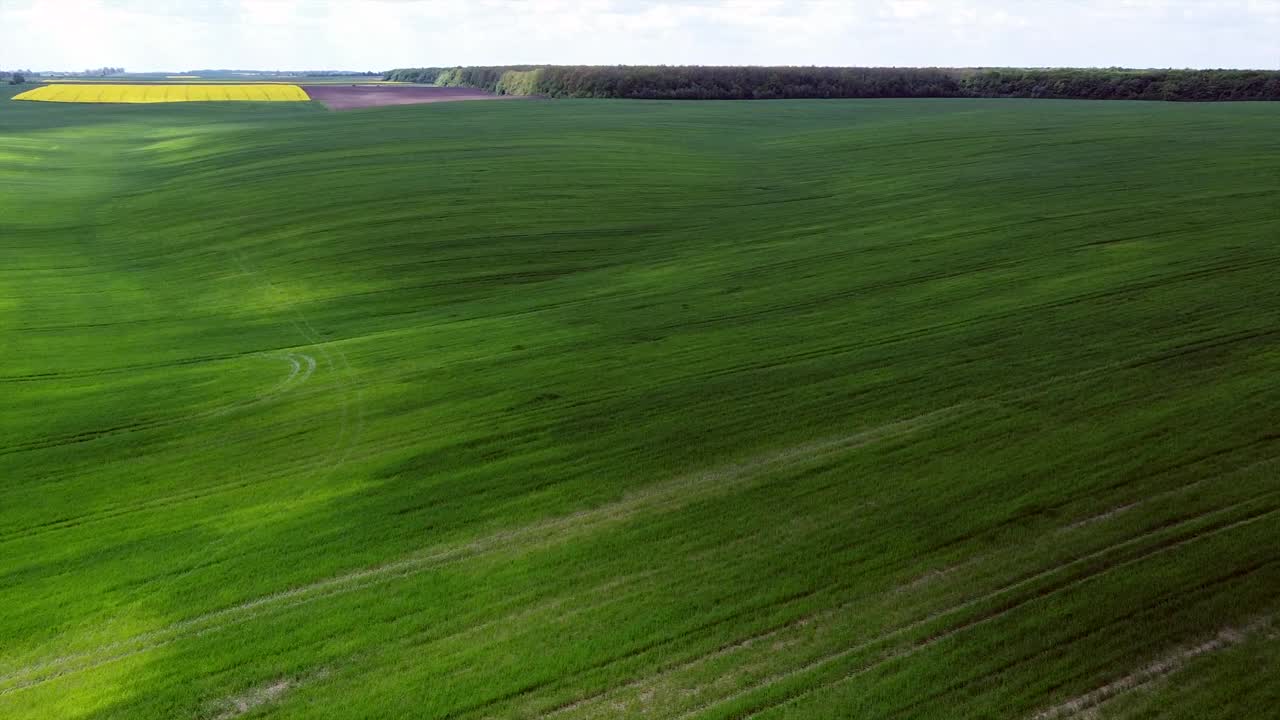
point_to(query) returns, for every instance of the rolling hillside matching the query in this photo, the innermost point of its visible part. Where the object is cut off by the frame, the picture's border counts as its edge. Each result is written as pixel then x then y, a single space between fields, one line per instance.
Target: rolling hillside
pixel 582 409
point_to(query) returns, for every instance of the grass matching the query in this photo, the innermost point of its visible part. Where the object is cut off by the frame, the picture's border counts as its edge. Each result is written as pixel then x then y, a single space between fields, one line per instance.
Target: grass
pixel 928 409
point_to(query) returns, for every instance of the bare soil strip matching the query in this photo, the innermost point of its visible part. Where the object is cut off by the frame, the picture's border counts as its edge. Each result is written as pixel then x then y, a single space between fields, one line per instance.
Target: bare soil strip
pixel 254 698
pixel 1166 665
pixel 244 702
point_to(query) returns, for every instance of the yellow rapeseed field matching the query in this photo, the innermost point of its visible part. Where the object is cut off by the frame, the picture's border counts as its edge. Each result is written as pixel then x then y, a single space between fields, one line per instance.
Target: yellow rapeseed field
pixel 157 93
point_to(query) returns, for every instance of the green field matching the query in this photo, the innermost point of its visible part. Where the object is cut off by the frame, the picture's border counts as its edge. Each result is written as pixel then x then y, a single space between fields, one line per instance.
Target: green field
pixel 583 409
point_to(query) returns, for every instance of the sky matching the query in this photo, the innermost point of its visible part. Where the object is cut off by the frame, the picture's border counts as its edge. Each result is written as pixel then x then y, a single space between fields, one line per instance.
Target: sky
pixel 175 35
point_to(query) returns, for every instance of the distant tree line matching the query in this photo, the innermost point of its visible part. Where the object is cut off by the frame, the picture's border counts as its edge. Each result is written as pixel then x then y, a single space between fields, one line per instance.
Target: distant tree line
pixel 1177 85
pixel 662 82
pixel 338 73
pixel 220 72
pixel 91 72
pixel 478 77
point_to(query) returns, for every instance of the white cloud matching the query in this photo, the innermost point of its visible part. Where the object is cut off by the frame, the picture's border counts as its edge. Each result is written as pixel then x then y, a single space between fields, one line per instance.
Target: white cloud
pixel 911 9
pixel 377 34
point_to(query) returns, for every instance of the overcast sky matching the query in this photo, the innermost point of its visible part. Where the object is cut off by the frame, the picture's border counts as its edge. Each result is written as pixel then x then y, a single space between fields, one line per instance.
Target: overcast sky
pixel 380 34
